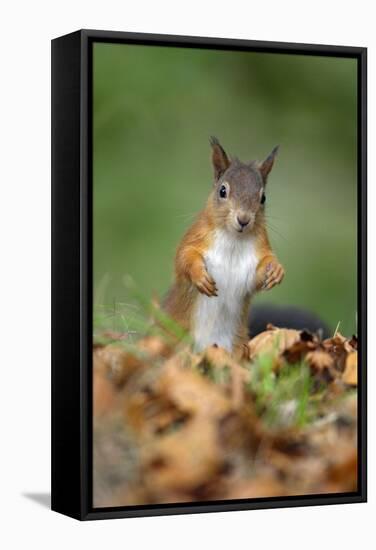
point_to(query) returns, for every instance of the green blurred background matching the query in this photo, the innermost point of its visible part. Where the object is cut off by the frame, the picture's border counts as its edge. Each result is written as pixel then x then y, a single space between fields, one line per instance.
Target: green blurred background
pixel 154 110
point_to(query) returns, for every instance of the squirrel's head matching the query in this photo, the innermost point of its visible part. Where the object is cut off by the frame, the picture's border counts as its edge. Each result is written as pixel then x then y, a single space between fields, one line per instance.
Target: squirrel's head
pixel 238 197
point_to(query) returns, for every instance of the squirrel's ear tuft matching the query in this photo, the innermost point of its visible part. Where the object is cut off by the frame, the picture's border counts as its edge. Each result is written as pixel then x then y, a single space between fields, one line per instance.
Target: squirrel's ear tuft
pixel 266 166
pixel 219 158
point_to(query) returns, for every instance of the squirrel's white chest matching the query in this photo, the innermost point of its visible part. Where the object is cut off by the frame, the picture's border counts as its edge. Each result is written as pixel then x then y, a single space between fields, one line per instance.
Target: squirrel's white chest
pixel 232 262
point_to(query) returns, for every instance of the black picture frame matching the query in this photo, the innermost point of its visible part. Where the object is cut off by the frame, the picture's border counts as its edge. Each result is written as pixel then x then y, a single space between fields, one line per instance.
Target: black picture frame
pixel 72 273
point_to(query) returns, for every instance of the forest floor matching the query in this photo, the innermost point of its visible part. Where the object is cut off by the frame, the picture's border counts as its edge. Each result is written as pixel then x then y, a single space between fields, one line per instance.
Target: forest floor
pixel 171 425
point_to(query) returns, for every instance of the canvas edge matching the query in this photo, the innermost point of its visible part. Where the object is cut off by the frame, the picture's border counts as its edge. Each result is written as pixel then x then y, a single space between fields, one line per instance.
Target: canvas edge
pixel 81 507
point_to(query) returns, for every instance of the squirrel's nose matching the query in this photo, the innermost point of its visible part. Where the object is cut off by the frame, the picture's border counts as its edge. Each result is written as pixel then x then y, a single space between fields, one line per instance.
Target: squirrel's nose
pixel 243 220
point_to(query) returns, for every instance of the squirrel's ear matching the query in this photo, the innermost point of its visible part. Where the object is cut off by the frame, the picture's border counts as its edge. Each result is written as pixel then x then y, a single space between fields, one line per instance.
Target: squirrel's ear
pixel 267 165
pixel 219 158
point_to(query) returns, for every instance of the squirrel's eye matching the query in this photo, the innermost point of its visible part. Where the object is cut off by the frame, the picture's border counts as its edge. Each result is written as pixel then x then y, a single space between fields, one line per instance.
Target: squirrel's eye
pixel 263 198
pixel 223 192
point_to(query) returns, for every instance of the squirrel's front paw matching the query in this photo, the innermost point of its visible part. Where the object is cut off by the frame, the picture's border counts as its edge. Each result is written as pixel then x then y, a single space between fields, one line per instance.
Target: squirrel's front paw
pixel 204 283
pixel 274 274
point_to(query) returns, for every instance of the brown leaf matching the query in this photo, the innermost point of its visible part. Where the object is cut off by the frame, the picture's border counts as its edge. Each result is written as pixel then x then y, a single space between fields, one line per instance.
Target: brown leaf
pixel 115 335
pixel 350 375
pixel 104 396
pixel 191 392
pixel 187 431
pixel 321 364
pixel 155 346
pixel 264 485
pixel 337 346
pixel 319 360
pixel 298 351
pixel 182 462
pixel 343 474
pixel 354 342
pixel 215 357
pixel 118 363
pixel 274 340
pixel 218 357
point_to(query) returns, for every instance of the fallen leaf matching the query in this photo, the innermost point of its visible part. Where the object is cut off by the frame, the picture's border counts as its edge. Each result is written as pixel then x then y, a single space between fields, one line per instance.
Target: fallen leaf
pixel 274 341
pixel 155 346
pixel 350 374
pixel 319 360
pixel 104 395
pixel 171 425
pixel 298 351
pixel 338 347
pixel 118 363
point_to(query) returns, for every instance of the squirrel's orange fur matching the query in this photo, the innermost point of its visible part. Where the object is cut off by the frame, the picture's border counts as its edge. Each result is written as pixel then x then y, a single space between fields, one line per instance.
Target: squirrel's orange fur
pixel 233 220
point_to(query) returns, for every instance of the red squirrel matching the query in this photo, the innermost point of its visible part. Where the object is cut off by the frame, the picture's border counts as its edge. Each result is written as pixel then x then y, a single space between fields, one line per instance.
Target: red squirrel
pixel 225 256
